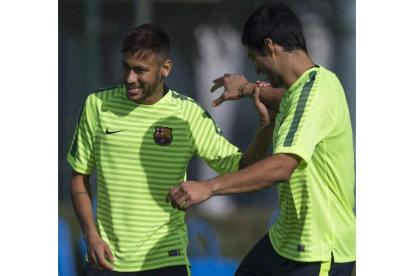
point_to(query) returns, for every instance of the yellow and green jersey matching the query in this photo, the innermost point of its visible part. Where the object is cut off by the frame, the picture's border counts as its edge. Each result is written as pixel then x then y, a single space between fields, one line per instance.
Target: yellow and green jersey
pixel 140 151
pixel 316 217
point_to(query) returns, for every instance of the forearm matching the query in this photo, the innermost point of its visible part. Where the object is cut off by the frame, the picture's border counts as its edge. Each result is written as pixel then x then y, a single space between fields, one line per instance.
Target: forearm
pixel 268 95
pixel 257 149
pixel 265 173
pixel 82 204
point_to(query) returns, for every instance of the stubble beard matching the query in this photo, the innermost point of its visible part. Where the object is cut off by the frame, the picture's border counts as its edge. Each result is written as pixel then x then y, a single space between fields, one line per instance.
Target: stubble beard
pixel 148 90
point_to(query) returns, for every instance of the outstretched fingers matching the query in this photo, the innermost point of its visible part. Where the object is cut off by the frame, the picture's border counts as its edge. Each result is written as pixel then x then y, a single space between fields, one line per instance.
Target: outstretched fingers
pixel 217 84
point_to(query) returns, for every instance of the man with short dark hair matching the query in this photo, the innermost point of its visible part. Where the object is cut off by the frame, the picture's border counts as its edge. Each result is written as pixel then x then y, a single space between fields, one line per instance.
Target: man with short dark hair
pixel 313 160
pixel 140 136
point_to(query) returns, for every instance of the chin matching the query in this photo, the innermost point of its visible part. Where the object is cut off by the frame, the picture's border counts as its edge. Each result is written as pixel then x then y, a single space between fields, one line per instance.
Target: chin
pixel 134 98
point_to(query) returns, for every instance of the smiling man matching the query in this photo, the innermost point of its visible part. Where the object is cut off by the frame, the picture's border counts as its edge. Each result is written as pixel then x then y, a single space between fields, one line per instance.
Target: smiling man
pixel 140 137
pixel 313 161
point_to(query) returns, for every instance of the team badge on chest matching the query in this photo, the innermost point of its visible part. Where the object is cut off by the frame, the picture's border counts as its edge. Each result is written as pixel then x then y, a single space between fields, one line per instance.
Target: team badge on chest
pixel 163 135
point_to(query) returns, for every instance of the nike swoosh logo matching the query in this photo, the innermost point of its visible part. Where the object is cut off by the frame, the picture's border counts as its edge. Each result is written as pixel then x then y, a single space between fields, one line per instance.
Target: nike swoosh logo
pixel 111 132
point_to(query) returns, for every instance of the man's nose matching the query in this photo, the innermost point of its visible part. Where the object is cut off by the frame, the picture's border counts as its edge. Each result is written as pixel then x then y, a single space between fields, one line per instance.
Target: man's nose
pixel 131 77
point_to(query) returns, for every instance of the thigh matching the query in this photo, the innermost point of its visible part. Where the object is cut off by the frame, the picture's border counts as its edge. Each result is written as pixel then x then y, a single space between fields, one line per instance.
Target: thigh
pixel 263 260
pixel 341 269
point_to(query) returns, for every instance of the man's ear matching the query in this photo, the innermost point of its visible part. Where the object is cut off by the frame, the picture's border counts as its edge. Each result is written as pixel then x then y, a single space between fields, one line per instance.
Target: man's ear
pixel 268 47
pixel 271 48
pixel 166 67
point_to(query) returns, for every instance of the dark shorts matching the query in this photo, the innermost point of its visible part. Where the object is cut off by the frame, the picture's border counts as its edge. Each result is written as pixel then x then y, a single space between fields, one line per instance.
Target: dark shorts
pixel 176 270
pixel 263 260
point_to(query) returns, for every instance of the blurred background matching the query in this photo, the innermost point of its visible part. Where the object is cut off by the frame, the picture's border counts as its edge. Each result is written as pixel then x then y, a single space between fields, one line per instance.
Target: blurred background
pixel 205 44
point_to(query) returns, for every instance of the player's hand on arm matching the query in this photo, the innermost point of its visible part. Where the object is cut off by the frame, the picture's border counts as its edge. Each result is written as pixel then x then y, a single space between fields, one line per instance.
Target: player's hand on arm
pixel 270 96
pixel 81 195
pixel 257 149
pixel 267 114
pixel 188 193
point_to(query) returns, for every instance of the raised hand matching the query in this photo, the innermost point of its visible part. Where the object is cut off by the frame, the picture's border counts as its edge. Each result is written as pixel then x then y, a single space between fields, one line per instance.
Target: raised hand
pixel 232 85
pixel 266 114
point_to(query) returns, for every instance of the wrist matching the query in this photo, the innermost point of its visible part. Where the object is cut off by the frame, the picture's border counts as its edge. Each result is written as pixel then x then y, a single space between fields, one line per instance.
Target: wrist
pixel 90 235
pixel 214 185
pixel 249 89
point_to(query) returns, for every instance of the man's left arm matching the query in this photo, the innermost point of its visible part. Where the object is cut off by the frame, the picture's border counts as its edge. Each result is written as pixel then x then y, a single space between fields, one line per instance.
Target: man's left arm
pixel 263 174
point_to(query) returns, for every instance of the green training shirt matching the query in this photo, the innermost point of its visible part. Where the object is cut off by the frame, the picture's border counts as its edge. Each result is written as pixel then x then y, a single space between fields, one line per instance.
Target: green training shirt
pixel 316 204
pixel 140 151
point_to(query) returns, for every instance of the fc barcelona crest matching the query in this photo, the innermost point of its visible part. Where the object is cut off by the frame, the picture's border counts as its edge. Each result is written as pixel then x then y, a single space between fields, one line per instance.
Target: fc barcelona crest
pixel 163 135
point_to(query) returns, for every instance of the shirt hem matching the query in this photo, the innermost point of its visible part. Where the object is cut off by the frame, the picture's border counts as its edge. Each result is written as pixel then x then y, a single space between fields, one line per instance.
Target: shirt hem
pixel 313 259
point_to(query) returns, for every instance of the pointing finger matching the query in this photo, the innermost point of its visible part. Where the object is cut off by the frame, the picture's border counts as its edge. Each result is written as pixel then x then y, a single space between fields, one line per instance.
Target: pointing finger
pixel 216 80
pixel 217 85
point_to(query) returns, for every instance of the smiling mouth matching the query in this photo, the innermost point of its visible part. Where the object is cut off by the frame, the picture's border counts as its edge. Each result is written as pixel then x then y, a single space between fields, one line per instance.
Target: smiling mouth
pixel 134 90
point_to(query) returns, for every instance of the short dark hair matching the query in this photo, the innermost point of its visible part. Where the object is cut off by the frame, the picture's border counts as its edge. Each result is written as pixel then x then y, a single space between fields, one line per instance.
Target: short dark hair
pixel 149 39
pixel 277 22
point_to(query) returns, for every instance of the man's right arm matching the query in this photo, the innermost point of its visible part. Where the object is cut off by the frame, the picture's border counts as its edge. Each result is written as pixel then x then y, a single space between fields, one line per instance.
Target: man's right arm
pixel 81 195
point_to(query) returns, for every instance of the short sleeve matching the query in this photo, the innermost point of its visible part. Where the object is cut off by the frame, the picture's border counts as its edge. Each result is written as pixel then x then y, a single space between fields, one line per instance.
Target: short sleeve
pixel 309 117
pixel 81 155
pixel 208 141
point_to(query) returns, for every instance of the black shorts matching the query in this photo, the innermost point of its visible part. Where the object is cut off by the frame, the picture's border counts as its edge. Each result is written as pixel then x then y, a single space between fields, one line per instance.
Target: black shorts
pixel 176 270
pixel 263 260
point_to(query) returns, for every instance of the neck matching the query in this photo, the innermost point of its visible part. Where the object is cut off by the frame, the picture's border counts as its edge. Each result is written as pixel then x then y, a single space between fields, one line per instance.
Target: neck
pixel 295 64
